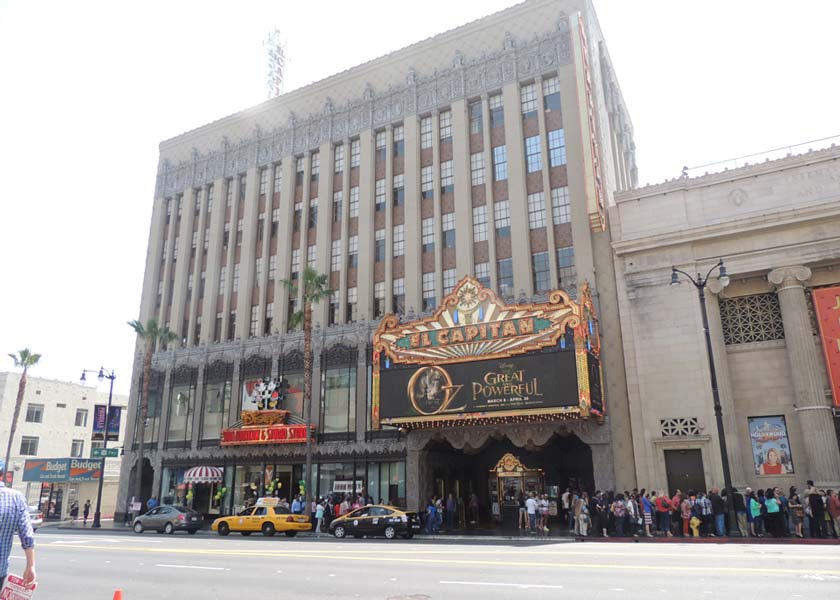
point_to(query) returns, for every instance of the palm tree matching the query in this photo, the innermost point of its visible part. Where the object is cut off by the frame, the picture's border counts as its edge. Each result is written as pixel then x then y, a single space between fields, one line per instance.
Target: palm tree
pixel 314 290
pixel 24 358
pixel 151 333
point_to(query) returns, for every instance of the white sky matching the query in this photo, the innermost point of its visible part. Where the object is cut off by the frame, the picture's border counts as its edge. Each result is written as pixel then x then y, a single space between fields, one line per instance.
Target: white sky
pixel 89 89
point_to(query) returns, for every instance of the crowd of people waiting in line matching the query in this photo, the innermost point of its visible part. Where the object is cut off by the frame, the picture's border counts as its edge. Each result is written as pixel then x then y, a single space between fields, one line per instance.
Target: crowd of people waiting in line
pixel 814 513
pixel 323 510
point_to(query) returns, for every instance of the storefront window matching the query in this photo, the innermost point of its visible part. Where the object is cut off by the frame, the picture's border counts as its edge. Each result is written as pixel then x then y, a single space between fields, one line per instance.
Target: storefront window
pixel 247 485
pixel 216 407
pixel 150 435
pixel 172 488
pixel 180 413
pixel 340 479
pixel 339 400
pixel 294 397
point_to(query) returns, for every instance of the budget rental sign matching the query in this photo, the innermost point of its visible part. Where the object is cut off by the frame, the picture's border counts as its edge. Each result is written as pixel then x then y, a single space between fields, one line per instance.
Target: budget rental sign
pixel 62 470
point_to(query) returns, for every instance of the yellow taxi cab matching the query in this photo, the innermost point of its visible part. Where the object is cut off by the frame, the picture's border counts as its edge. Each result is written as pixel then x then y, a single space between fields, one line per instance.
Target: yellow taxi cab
pixel 267 516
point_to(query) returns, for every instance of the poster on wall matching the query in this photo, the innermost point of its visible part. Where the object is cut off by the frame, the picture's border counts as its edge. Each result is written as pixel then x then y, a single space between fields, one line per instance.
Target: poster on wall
pixel 770 445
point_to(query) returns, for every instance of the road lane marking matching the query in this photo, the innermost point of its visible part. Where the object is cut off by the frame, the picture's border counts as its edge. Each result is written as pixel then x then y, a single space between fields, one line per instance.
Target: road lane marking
pixel 522 586
pixel 450 561
pixel 192 567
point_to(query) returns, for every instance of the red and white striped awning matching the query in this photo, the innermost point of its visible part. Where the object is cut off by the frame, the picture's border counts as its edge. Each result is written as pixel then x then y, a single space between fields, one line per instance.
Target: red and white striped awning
pixel 203 475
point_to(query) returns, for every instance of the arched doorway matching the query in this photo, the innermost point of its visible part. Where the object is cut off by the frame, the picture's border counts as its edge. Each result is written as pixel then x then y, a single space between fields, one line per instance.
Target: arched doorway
pixel 146 481
pixel 565 461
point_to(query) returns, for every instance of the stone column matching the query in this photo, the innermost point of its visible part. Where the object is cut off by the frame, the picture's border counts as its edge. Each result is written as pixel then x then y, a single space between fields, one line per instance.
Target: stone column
pixel 811 403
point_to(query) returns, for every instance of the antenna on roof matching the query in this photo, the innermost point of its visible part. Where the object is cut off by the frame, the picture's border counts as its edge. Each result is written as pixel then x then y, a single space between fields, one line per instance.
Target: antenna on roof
pixel 276 63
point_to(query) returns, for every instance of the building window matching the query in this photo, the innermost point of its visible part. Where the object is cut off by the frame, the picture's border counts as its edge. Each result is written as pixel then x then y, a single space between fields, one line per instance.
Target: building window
pixel 34 413
pixel 335 256
pixel 497 112
pixel 446 127
pixel 217 331
pixel 338 158
pixel 399 190
pixel 255 320
pixel 477 168
pixel 399 295
pixel 278 178
pixel 556 148
pixel 399 240
pixel 448 227
pixel 229 191
pixel 77 449
pixel 338 198
pixel 379 198
pixel 354 202
pixel 352 304
pixel 209 198
pixel 448 280
pixel 275 222
pixel 269 317
pixel 379 245
pixel 81 417
pixel 500 163
pixel 236 277
pixel 175 249
pixel 379 299
pixel 429 293
pixel 426 132
pixel 242 182
pixel 232 325
pixel 197 194
pixel 528 96
pixel 551 93
pixel 355 153
pixel 272 267
pixel 446 177
pixel 428 234
pixel 258 272
pixel 542 274
pixel 566 270
pixel 315 166
pixel 298 216
pixel 263 181
pixel 299 167
pixel 206 240
pixel 533 158
pixel 536 210
pixel 476 119
pixel 381 145
pixel 239 226
pixel 313 213
pixel 561 205
pixel 311 256
pixel 504 273
pixel 479 216
pixel 201 280
pixel 353 252
pixel 29 446
pixel 222 277
pixel 295 263
pixel 427 182
pixel 332 316
pixel 399 141
pixel 226 235
pixel 482 273
pixel 501 214
pixel 748 319
pixel 339 403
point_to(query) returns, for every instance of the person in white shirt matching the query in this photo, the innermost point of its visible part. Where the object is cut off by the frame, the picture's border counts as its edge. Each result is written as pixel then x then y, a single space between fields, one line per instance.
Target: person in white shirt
pixel 531 507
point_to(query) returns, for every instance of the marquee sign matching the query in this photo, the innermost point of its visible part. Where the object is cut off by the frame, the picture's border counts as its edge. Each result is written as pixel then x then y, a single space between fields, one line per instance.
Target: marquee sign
pixel 827 307
pixel 477 358
pixel 263 427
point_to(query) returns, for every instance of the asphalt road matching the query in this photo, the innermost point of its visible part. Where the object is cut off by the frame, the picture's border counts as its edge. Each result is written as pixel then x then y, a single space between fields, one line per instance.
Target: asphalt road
pixel 92 566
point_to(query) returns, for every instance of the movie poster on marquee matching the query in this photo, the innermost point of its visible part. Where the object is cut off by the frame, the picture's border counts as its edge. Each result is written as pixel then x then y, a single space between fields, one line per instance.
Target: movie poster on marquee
pixel 770 445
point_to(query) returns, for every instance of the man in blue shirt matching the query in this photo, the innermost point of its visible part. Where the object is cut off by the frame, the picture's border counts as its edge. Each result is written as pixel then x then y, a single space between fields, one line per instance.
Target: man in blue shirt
pixel 296 506
pixel 14 517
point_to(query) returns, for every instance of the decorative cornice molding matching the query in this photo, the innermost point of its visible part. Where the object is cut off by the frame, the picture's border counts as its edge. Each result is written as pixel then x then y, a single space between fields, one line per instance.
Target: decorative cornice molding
pixel 463 78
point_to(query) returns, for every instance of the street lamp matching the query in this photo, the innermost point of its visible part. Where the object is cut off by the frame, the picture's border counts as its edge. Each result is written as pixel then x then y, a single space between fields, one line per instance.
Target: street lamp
pixel 100 375
pixel 700 283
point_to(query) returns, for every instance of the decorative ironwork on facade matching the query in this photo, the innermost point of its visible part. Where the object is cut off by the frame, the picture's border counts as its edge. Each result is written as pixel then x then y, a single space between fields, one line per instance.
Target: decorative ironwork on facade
pixel 747 319
pixel 680 427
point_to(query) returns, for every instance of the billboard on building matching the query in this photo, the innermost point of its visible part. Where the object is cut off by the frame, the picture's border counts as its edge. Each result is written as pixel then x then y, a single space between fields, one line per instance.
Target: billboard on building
pixel 827 308
pixel 61 470
pixel 770 445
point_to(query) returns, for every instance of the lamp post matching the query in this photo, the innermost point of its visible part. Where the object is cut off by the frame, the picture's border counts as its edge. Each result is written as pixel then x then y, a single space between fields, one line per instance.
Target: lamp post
pixel 700 283
pixel 101 374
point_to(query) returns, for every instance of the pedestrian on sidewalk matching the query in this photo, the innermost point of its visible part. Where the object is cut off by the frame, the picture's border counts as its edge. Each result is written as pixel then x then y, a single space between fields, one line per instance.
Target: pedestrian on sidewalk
pixel 14 518
pixel 619 511
pixel 740 508
pixel 632 512
pixel 647 511
pixel 685 512
pixel 705 515
pixel 816 508
pixel 663 507
pixel 319 518
pixel 718 511
pixel 834 510
pixel 74 513
pixel 451 506
pixel 86 512
pixel 774 513
pixel 582 509
pixel 756 508
pixel 531 508
pixel 797 513
pixel 676 502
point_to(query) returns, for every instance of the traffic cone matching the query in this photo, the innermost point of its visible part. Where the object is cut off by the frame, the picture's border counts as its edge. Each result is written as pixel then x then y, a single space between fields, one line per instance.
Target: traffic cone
pixel 118 595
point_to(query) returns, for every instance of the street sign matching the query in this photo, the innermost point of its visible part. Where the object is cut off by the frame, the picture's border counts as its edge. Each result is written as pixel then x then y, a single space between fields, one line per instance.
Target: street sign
pixel 104 452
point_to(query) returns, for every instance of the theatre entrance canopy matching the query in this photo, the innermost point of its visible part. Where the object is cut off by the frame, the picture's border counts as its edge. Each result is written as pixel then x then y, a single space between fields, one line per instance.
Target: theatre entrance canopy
pixel 479 361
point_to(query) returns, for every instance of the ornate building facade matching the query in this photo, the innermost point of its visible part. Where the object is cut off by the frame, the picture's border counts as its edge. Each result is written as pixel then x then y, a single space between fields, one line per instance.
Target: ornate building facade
pixel 774 323
pixel 489 151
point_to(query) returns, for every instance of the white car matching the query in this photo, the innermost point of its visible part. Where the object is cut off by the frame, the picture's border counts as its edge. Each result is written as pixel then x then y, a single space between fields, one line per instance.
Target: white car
pixel 36 517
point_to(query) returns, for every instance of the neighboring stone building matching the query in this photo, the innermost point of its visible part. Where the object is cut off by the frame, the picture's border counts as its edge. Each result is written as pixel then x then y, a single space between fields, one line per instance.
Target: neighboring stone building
pixel 56 422
pixel 776 225
pixel 490 150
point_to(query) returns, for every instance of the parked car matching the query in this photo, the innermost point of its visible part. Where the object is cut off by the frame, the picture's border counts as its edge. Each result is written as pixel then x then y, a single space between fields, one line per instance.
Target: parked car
pixel 266 516
pixel 36 517
pixel 169 519
pixel 377 519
